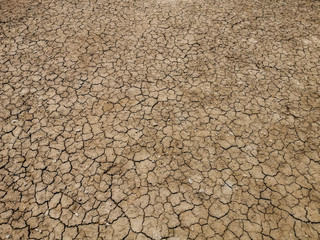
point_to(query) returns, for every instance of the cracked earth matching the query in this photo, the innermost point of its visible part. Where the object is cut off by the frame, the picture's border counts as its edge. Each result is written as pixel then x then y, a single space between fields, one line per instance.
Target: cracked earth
pixel 159 119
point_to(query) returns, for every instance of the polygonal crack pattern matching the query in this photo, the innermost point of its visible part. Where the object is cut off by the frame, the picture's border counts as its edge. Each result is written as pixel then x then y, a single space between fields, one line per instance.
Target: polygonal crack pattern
pixel 159 119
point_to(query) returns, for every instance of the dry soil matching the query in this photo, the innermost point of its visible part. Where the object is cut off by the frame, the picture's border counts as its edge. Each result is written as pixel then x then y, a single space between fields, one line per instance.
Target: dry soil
pixel 160 119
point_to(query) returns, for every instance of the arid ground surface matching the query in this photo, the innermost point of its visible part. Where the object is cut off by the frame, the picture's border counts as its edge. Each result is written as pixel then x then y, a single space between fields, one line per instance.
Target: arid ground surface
pixel 160 119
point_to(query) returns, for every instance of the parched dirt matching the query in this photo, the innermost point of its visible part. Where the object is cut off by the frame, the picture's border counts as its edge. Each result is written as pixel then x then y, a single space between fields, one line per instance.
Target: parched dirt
pixel 160 119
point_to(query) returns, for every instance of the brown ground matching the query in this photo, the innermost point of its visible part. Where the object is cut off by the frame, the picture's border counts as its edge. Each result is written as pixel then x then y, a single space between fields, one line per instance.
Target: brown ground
pixel 160 119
